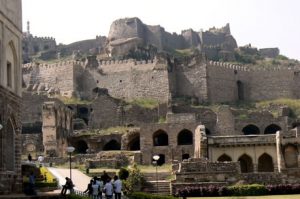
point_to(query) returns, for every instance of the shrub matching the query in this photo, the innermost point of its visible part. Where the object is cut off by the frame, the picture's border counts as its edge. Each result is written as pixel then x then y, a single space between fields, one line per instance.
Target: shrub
pixel 283 189
pixel 247 190
pixel 135 180
pixel 123 173
pixel 140 195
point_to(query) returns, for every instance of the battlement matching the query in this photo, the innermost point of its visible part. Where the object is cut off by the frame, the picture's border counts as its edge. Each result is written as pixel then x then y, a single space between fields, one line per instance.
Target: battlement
pixel 228 66
pixel 53 65
pixel 44 38
pixel 113 66
pixel 253 69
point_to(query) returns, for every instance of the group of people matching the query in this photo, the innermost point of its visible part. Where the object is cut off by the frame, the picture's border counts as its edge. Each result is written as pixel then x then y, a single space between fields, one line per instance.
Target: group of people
pixel 106 185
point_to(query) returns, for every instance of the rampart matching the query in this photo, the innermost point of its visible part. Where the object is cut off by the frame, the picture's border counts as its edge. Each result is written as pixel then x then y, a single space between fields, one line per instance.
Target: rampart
pixel 51 78
pixel 229 82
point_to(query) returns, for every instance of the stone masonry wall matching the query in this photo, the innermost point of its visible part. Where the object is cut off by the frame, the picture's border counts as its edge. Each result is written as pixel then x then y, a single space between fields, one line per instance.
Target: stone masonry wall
pixel 222 82
pixel 191 80
pixel 173 151
pixel 58 76
pixel 131 80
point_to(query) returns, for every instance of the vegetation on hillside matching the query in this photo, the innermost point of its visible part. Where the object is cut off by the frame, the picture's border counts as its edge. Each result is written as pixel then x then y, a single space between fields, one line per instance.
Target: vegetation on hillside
pixel 108 131
pixel 144 103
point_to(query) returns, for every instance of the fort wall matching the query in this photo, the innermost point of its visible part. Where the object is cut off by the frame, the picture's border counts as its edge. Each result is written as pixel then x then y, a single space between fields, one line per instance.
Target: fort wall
pixel 58 76
pixel 222 82
pixel 191 81
pixel 134 80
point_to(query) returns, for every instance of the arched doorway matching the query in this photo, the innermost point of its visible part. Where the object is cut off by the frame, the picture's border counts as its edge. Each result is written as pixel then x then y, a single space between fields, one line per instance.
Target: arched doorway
pixel 291 156
pixel 224 158
pixel 265 163
pixel 272 129
pixel 112 145
pixel 134 144
pixel 160 138
pixel 240 89
pixel 246 163
pixel 251 130
pixel 185 137
pixel 185 156
pixel 81 147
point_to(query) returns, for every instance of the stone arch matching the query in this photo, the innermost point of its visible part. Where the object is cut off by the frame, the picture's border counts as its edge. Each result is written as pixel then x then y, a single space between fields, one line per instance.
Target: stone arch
pixel 272 129
pixel 160 138
pixel 240 90
pixel 134 143
pixel 185 156
pixel 185 137
pixel 251 129
pixel 81 146
pixel 265 163
pixel 224 158
pixel 9 150
pixel 246 163
pixel 291 156
pixel 112 145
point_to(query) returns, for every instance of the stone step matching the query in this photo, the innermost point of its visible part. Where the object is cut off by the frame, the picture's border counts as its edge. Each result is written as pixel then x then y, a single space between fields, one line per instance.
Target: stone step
pixel 161 187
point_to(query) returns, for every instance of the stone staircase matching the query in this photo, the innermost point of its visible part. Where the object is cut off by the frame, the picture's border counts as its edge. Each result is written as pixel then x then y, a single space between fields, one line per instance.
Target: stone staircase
pixel 161 186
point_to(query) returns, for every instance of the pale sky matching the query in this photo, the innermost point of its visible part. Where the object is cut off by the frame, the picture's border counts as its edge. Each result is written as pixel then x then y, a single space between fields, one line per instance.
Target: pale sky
pixel 263 23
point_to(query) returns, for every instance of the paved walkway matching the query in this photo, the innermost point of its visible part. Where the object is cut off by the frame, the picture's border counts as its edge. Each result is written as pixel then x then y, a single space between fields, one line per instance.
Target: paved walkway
pixel 79 179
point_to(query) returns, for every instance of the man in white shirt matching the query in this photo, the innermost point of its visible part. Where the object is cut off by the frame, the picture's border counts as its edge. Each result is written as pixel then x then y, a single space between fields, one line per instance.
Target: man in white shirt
pixel 117 187
pixel 108 189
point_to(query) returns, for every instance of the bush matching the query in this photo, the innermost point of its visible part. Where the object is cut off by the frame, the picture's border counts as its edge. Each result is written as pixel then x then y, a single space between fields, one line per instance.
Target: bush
pixel 140 195
pixel 135 180
pixel 247 190
pixel 123 173
pixel 283 189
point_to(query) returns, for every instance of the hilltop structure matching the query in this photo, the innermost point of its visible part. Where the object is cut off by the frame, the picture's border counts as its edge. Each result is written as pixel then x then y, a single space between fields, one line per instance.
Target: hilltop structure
pixel 10 96
pixel 106 89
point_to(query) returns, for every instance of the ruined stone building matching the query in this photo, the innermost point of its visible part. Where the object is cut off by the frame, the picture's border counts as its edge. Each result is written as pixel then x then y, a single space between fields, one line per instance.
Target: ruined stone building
pixel 10 95
pixel 262 140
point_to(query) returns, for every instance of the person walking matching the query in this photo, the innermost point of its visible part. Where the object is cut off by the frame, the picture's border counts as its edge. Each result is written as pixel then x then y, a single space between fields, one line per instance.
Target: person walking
pixel 117 187
pixel 89 189
pixel 68 186
pixel 108 189
pixel 32 190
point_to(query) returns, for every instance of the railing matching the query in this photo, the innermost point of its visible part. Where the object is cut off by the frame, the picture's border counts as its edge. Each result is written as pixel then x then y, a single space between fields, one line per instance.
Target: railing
pixel 80 193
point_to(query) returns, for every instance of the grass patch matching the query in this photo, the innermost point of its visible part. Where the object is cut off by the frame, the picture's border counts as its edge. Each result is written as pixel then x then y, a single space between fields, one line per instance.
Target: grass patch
pixel 73 100
pixel 151 168
pixel 112 130
pixel 293 104
pixel 145 103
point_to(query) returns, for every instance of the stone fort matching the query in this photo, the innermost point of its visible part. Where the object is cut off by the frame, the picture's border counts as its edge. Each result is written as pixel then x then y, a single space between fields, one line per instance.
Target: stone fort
pixel 256 142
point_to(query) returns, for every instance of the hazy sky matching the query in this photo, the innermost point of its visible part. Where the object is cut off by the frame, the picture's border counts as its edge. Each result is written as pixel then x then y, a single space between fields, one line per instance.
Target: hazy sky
pixel 263 23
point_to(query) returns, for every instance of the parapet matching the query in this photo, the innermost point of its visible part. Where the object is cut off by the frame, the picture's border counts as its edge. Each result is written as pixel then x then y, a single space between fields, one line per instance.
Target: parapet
pixel 111 66
pixel 249 68
pixel 29 66
pixel 228 66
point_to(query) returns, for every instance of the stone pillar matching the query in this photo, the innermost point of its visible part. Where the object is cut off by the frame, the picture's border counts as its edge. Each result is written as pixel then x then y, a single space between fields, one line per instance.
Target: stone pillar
pixel 200 142
pixel 255 166
pixel 280 160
